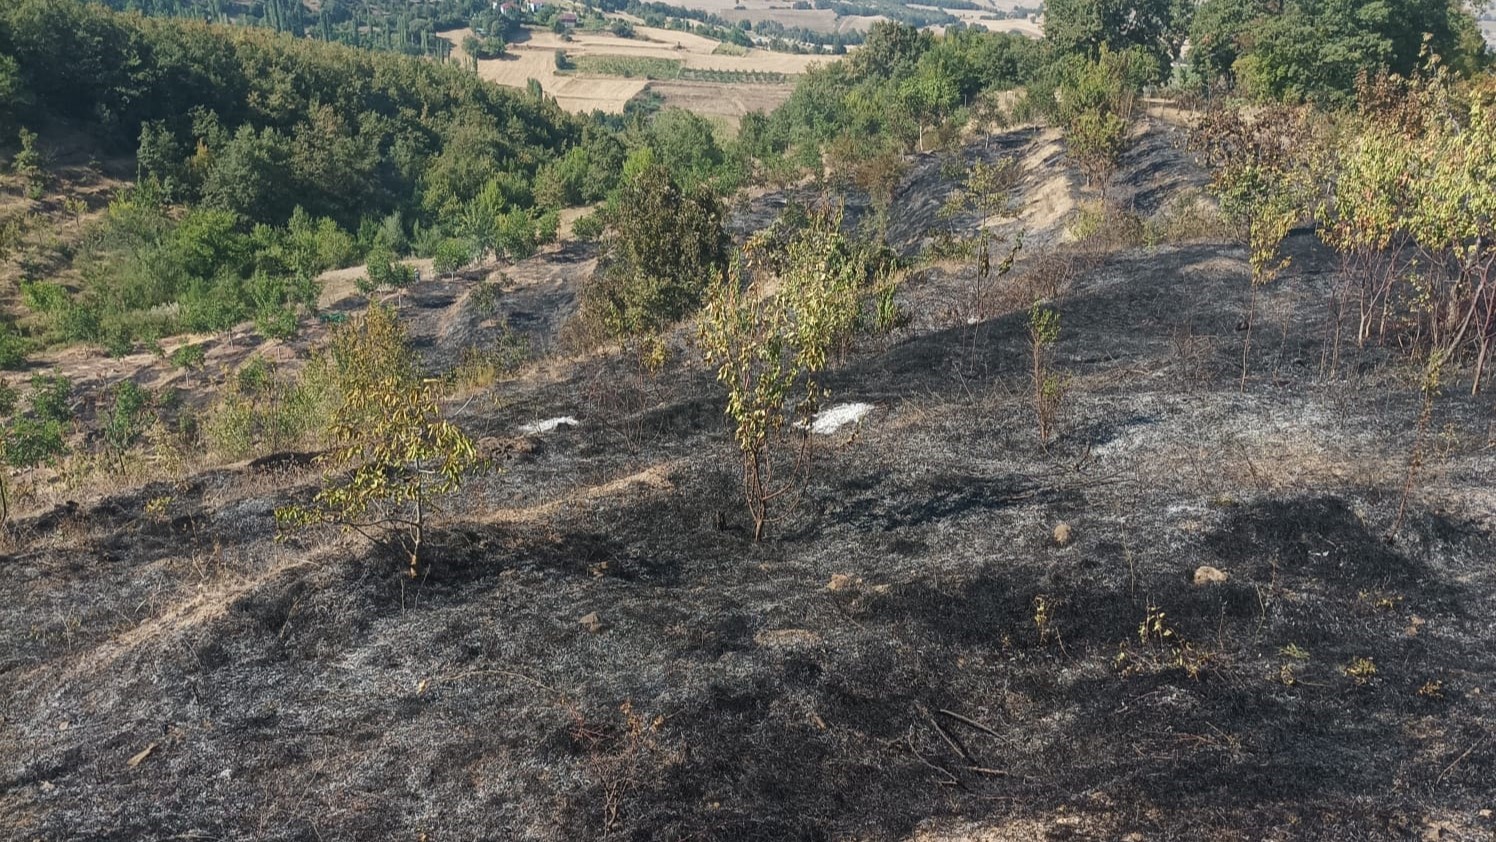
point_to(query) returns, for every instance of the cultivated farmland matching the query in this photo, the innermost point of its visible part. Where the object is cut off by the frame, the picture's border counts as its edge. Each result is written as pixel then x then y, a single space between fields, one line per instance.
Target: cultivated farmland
pixel 691 75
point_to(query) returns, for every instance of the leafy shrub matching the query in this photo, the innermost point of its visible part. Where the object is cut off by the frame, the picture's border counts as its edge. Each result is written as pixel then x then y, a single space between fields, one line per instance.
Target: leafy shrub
pixel 451 254
pixel 190 357
pixel 769 348
pixel 44 296
pixel 588 226
pixel 384 270
pixel 127 419
pixel 668 244
pixel 395 452
pixel 30 442
pixel 254 376
pixel 13 348
pixel 51 398
pixel 259 412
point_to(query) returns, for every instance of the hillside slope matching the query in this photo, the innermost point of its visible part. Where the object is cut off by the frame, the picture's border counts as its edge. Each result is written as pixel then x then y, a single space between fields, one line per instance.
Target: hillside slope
pixel 918 652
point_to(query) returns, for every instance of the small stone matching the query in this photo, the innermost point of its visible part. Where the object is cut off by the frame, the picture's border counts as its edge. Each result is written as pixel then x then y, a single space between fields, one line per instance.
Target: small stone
pixel 840 582
pixel 1207 575
pixel 592 623
pixel 1486 814
pixel 1062 535
pixel 48 786
pixel 1134 837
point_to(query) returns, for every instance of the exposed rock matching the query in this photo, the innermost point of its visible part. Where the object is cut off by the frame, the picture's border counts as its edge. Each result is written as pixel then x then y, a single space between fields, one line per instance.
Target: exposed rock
pixel 1207 575
pixel 1062 535
pixel 592 623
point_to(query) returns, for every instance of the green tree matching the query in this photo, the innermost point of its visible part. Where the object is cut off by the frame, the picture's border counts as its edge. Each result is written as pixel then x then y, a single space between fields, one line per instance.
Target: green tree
pixel 251 176
pixel 891 49
pixel 1315 49
pixel 126 420
pixel 684 143
pixel 1096 111
pixel 1085 27
pixel 12 92
pixel 769 328
pixel 1264 171
pixel 1218 37
pixel 667 244
pixel 395 454
pixel 30 163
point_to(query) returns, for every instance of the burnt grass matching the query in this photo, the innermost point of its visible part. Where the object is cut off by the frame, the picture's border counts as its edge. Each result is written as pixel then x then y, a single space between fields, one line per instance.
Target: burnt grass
pixel 911 654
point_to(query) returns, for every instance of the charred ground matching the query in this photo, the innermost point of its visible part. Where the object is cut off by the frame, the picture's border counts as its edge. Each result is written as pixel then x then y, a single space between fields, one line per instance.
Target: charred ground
pixel 912 655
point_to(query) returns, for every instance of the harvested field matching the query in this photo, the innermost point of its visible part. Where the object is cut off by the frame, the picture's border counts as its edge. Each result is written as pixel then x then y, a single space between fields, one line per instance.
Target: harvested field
pixel 982 18
pixel 578 91
pixel 692 50
pixel 724 101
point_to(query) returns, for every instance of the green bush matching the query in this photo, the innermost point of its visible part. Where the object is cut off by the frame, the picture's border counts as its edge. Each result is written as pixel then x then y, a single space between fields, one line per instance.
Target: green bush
pixel 384 270
pixel 452 254
pixel 51 398
pixel 13 348
pixel 44 297
pixel 669 245
pixel 190 357
pixel 128 417
pixel 588 226
pixel 30 442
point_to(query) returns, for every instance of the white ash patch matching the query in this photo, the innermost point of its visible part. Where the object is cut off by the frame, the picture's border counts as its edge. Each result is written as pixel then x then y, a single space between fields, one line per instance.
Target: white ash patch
pixel 831 419
pixel 548 425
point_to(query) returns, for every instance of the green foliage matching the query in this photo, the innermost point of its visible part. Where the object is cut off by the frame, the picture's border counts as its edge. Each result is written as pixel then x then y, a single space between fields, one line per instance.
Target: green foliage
pixel 1299 50
pixel 254 376
pixel 890 92
pixel 451 254
pixel 260 412
pixel 31 164
pixel 629 67
pixel 189 357
pixel 272 149
pixel 1049 387
pixel 1262 172
pixel 588 226
pixel 38 436
pixel 1264 175
pixel 384 270
pixel 1095 101
pixel 9 397
pixel 985 193
pixel 51 398
pixel 685 144
pixel 485 48
pixel 667 245
pixel 1412 210
pixel 128 417
pixel 395 454
pixel 33 441
pixel 13 348
pixel 12 91
pixel 1086 28
pixel 769 328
